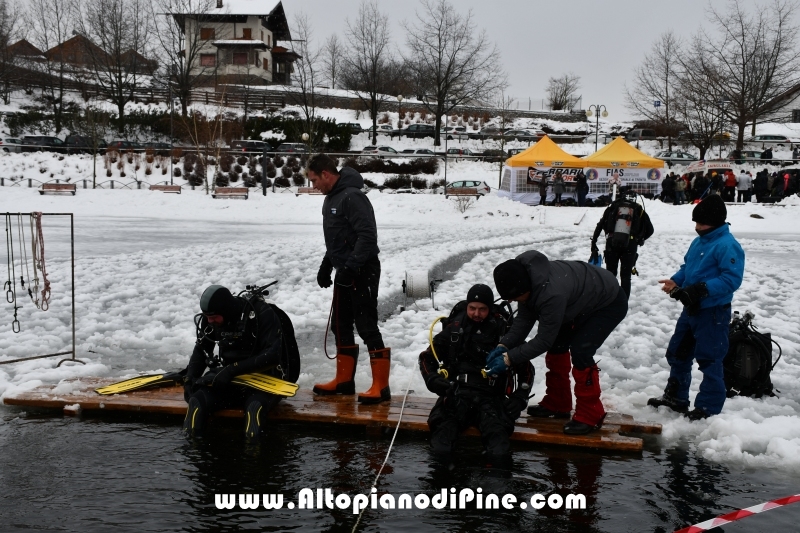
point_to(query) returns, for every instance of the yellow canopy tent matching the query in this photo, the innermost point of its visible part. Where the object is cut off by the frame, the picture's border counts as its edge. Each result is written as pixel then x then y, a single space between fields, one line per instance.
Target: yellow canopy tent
pixel 523 172
pixel 633 168
pixel 619 154
pixel 545 153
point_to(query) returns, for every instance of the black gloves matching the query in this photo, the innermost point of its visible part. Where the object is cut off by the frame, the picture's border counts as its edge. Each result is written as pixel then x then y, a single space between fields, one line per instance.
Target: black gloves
pixel 437 384
pixel 219 378
pixel 595 249
pixel 324 274
pixel 515 404
pixel 345 277
pixel 690 296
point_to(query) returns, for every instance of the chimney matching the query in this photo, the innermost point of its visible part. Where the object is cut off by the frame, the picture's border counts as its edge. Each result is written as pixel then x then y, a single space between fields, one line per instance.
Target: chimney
pixel 219 4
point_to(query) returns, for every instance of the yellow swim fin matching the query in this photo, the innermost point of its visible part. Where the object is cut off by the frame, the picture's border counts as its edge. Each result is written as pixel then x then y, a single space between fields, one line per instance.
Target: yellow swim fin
pixel 142 382
pixel 266 383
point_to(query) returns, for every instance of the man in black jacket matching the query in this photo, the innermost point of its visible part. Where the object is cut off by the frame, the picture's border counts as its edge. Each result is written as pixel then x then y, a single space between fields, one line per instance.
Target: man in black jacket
pixel 253 336
pixel 626 226
pixel 577 306
pixel 452 368
pixel 351 242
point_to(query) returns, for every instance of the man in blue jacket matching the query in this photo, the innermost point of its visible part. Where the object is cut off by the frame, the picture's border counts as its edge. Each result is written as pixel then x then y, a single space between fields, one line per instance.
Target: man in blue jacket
pixel 712 271
pixel 351 242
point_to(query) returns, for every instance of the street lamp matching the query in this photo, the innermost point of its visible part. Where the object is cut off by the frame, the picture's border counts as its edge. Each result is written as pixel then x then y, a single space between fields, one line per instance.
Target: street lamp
pixel 597 113
pixel 399 118
pixel 305 138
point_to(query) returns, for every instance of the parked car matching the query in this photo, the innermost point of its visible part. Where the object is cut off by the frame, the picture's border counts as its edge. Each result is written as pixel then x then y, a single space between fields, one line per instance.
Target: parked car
pixel 159 148
pixel 42 143
pixel 292 148
pixel 418 151
pixel 744 155
pixel 418 131
pixel 378 150
pixel 81 144
pixel 251 147
pixel 460 152
pixel 455 132
pixel 355 127
pixel 10 144
pixel 772 139
pixel 385 129
pixel 601 139
pixel 677 157
pixel 489 132
pixel 483 189
pixel 524 135
pixel 641 135
pixel 494 155
pixel 121 146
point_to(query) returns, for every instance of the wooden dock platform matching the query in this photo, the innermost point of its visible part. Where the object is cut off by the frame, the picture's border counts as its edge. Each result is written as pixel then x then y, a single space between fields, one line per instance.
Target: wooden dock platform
pixel 341 410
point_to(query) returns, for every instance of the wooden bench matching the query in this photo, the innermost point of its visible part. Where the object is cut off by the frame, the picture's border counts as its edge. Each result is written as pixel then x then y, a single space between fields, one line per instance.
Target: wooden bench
pixel 307 190
pixel 462 191
pixel 58 188
pixel 231 192
pixel 166 188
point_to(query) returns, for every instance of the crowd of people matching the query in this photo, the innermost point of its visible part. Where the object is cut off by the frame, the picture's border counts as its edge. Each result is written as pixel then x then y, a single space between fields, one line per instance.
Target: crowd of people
pixel 766 186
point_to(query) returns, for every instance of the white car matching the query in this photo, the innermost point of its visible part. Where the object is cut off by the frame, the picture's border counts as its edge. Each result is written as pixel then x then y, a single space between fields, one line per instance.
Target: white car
pixel 418 151
pixel 481 186
pixel 385 129
pixel 455 132
pixel 378 150
pixel 773 139
pixel 10 144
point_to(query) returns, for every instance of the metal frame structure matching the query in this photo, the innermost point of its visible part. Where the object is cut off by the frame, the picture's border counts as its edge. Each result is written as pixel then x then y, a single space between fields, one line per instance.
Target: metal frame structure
pixel 72 263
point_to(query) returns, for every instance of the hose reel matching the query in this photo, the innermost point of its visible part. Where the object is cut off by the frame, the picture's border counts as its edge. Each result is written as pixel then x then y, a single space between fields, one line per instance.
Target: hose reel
pixel 418 285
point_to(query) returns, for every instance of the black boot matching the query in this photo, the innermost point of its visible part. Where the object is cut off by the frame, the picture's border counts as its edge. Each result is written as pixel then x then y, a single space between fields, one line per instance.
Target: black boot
pixel 195 421
pixel 539 411
pixel 252 420
pixel 698 413
pixel 573 427
pixel 669 400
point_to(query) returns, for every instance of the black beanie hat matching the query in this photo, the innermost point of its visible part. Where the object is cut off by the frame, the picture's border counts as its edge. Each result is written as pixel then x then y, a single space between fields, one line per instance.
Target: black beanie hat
pixel 710 211
pixel 217 300
pixel 480 293
pixel 511 279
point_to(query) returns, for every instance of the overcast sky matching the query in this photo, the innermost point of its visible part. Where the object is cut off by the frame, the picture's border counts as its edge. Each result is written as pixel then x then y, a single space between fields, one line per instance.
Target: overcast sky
pixel 600 40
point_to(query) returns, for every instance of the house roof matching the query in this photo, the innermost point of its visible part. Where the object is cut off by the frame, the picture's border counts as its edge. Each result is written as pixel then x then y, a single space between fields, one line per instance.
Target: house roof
pixel 25 49
pixel 238 11
pixel 79 43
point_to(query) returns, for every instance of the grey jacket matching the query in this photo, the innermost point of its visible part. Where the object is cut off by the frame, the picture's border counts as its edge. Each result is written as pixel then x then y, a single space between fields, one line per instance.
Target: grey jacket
pixel 562 290
pixel 348 221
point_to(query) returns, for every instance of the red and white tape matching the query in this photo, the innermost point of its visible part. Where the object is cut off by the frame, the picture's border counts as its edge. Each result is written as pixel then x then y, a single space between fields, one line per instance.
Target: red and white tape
pixel 738 515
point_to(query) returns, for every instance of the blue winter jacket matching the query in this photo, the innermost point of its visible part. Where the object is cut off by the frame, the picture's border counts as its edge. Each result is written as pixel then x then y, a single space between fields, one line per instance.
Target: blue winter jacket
pixel 717 259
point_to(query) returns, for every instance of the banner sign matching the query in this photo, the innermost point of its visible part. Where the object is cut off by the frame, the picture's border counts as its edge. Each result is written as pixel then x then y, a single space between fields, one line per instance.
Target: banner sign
pixel 535 174
pixel 626 175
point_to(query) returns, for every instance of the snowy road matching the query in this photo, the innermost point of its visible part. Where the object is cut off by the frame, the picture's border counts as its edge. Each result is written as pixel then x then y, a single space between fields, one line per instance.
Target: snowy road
pixel 143 264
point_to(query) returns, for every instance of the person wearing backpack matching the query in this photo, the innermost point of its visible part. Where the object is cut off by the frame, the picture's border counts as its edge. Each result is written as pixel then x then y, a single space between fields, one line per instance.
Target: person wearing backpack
pixel 451 368
pixel 729 192
pixel 712 271
pixel 577 306
pixel 626 226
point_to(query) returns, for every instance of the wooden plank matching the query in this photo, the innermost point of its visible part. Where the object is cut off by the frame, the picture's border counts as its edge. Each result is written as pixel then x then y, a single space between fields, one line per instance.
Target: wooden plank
pixel 340 410
pixel 166 188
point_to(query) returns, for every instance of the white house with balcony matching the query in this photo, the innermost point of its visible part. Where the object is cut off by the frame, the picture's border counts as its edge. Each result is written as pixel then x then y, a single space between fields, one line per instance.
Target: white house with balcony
pixel 236 43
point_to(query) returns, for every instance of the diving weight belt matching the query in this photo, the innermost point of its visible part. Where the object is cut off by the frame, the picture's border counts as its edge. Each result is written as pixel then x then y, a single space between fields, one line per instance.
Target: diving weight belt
pixel 262 382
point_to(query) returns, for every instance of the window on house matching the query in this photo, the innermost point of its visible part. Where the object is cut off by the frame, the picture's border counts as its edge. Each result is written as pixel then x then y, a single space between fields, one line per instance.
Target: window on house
pixel 266 64
pixel 247 33
pixel 255 59
pixel 240 58
pixel 269 38
pixel 208 60
pixel 207 34
pixel 281 67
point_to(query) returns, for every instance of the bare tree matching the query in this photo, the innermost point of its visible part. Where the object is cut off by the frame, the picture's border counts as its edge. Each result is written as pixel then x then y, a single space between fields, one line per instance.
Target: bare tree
pixel 455 63
pixel 562 92
pixel 368 62
pixel 752 60
pixel 177 28
pixel 118 32
pixel 332 53
pixel 695 105
pixel 50 23
pixel 307 76
pixel 9 32
pixel 655 80
pixel 503 105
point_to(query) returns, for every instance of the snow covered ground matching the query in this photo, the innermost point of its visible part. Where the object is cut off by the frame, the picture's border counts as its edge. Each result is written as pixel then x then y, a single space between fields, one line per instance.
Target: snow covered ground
pixel 143 259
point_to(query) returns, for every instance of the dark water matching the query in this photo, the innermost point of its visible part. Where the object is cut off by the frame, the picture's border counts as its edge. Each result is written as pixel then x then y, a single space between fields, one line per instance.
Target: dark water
pixel 124 474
